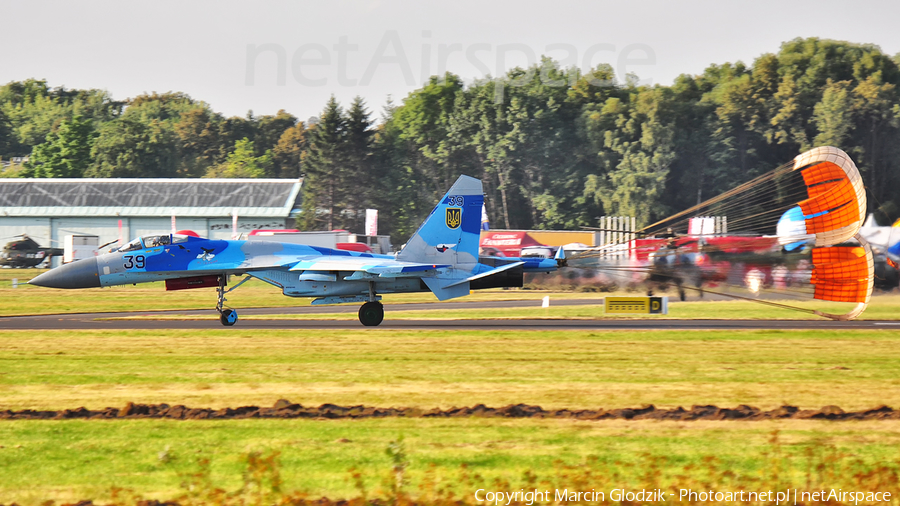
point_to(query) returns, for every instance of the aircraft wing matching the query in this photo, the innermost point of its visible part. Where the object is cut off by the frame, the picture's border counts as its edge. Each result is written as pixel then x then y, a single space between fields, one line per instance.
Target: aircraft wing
pixel 365 267
pixel 303 276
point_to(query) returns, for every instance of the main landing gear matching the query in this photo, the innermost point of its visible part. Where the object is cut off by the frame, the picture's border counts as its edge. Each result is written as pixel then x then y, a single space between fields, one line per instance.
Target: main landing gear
pixel 371 314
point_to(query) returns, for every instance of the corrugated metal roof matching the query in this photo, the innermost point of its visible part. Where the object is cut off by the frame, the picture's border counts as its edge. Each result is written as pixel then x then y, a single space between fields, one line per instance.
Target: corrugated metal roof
pixel 148 197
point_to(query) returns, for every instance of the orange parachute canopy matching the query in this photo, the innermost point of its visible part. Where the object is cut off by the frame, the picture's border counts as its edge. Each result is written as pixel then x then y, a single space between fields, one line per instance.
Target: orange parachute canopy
pixel 844 274
pixel 841 273
pixel 836 206
pixel 835 210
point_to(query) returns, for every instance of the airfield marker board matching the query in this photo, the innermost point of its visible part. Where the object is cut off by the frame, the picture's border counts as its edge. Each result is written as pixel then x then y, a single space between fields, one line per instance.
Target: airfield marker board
pixel 636 305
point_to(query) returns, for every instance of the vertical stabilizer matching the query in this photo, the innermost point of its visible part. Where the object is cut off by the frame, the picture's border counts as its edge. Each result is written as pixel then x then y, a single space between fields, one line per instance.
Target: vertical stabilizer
pixel 450 235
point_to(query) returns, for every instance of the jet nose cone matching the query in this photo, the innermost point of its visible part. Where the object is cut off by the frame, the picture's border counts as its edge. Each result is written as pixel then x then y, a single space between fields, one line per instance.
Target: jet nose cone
pixel 80 274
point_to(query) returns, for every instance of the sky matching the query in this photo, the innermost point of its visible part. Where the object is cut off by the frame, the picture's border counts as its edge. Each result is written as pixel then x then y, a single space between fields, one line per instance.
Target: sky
pixel 269 55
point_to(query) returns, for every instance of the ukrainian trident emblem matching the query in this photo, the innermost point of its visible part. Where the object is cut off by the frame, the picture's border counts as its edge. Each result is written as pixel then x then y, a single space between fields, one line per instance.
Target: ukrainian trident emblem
pixel 454 217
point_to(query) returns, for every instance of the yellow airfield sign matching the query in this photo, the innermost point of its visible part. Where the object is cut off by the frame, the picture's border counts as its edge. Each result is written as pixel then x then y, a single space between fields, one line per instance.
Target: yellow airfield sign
pixel 636 305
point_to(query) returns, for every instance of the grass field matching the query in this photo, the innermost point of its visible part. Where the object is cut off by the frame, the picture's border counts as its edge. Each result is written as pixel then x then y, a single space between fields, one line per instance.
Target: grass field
pixel 231 367
pixel 70 460
pixel 228 367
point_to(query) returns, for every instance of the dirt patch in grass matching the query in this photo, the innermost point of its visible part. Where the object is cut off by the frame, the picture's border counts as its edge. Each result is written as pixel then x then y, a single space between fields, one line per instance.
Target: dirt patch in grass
pixel 286 409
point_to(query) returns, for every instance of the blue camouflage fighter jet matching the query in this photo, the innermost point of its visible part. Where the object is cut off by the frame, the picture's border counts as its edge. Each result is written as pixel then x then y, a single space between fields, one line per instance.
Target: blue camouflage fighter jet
pixel 442 256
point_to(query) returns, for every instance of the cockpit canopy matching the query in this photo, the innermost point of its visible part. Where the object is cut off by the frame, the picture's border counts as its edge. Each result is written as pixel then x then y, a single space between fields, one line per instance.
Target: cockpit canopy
pixel 151 241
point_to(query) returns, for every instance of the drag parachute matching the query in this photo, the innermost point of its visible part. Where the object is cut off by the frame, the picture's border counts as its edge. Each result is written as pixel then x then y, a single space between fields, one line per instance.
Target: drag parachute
pixel 794 230
pixel 833 213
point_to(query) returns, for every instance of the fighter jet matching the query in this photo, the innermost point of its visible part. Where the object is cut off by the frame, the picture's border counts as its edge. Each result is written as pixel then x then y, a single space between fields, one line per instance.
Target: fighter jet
pixel 441 257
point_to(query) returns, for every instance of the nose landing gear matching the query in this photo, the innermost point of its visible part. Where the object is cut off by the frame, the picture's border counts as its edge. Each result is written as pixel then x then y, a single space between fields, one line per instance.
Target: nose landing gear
pixel 228 317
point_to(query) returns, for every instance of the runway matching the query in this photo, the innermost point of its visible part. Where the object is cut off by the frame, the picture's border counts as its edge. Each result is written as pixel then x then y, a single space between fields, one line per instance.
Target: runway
pixel 208 319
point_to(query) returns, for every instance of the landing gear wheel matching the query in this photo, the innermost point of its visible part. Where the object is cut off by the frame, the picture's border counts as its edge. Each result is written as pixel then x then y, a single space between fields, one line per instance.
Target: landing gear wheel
pixel 228 317
pixel 371 314
pixel 681 294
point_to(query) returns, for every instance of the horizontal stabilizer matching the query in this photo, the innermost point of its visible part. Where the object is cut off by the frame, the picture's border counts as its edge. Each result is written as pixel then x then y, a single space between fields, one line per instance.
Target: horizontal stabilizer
pixel 445 293
pixel 491 272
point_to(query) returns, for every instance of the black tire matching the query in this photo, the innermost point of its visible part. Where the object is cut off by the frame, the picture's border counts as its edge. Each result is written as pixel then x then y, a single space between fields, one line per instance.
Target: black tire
pixel 228 317
pixel 682 295
pixel 371 314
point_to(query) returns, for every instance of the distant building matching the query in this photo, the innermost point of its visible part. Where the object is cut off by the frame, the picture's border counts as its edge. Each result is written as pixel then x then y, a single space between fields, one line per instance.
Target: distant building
pixel 49 209
pixel 16 160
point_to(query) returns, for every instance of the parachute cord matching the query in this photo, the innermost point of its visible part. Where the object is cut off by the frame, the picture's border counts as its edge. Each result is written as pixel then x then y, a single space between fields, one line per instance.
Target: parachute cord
pixel 744 202
pixel 766 302
pixel 734 191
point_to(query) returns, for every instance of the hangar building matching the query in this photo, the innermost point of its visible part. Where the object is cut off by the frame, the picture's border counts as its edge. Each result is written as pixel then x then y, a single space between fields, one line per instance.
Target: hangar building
pixel 49 209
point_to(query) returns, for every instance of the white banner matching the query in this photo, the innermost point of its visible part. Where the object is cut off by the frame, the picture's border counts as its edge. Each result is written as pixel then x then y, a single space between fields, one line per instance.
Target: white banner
pixel 371 221
pixel 705 225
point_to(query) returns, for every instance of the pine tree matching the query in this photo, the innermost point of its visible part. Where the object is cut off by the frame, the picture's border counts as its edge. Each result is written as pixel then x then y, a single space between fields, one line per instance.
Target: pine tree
pixel 326 183
pixel 358 151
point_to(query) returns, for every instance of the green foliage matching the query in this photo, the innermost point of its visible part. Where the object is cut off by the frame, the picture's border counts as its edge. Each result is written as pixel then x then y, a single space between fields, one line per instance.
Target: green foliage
pixel 395 183
pixel 638 153
pixel 13 170
pixel 396 450
pixel 360 170
pixel 326 184
pixel 199 142
pixel 127 147
pixel 833 115
pixel 243 162
pixel 66 152
pixel 342 176
pixel 424 121
pixel 290 152
pixel 30 111
pixel 167 107
pixel 269 130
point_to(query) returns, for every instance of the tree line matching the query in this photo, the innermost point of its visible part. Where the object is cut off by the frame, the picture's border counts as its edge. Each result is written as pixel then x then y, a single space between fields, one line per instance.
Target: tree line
pixel 555 147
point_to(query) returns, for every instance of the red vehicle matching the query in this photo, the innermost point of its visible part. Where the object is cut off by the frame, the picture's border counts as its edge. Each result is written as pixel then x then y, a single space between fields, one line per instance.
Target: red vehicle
pixel 354 246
